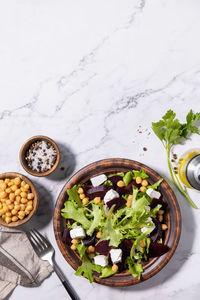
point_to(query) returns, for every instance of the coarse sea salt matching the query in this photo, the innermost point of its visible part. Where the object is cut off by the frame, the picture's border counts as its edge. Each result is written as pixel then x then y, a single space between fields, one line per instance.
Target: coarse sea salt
pixel 41 156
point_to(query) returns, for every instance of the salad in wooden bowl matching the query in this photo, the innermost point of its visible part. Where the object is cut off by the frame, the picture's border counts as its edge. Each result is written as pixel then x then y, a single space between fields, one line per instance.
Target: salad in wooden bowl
pixel 117 222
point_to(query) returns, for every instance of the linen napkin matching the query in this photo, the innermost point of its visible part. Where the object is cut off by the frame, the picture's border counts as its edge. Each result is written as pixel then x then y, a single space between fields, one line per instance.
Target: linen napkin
pixel 19 264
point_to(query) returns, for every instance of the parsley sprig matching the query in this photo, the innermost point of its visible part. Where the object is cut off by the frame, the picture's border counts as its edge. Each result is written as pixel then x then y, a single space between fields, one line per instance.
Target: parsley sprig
pixel 170 131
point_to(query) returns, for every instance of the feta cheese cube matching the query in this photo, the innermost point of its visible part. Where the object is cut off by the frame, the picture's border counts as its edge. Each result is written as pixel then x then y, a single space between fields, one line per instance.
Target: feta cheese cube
pixel 153 194
pixel 101 260
pixel 111 194
pixel 97 180
pixel 77 233
pixel 116 255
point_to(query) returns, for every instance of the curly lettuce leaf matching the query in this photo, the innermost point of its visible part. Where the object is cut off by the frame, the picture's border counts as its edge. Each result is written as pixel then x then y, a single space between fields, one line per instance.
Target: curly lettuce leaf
pixel 75 213
pixel 87 268
pixel 99 215
pixel 134 268
pixel 141 173
pixel 74 196
pixel 106 272
pixel 127 178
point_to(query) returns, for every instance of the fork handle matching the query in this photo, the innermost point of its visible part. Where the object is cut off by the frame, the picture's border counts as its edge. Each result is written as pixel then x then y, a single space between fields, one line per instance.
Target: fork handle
pixel 65 283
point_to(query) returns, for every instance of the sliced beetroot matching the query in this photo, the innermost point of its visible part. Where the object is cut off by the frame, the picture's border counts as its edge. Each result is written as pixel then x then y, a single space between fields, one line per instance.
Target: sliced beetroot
pixel 126 246
pixel 121 190
pixel 129 187
pixel 66 236
pixel 88 241
pixel 155 202
pixel 98 191
pixel 119 202
pixel 114 179
pixel 157 249
pixel 156 234
pixel 103 248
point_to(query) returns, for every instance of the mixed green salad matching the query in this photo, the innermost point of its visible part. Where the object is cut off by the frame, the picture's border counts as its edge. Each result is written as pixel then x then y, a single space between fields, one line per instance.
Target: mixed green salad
pixel 115 222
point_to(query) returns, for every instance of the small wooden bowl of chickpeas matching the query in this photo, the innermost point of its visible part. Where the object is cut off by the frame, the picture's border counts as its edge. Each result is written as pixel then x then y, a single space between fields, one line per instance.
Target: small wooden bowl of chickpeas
pixel 18 199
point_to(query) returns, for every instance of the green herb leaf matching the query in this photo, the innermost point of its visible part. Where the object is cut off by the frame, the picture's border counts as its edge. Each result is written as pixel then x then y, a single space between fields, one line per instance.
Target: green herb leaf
pixel 74 196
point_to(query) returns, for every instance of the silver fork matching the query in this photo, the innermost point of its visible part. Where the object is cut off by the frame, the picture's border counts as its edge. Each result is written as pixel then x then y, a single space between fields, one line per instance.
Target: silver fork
pixel 45 251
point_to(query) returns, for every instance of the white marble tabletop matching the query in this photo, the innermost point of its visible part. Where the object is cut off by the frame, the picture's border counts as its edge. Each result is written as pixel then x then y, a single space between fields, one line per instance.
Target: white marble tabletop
pixel 93 75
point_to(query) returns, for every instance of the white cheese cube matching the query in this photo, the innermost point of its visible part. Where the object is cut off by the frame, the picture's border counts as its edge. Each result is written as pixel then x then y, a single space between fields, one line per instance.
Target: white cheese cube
pixel 77 233
pixel 111 194
pixel 101 260
pixel 153 194
pixel 116 255
pixel 98 180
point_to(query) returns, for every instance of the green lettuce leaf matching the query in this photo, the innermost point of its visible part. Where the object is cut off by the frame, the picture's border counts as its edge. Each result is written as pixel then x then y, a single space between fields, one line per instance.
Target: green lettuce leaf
pixel 74 196
pixel 141 173
pixel 107 272
pixel 99 215
pixel 77 214
pixel 134 268
pixel 87 268
pixel 127 178
pixel 110 233
pixel 155 185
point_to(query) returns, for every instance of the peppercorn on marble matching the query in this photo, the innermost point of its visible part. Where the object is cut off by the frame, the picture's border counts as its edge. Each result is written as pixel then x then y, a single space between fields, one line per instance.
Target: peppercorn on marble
pixel 94 75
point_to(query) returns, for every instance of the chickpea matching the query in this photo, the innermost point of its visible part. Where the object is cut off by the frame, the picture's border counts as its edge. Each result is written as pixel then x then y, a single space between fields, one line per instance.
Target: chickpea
pixel 3 195
pixel 85 201
pixel 128 203
pixel 138 180
pixel 12 196
pixel 7 180
pixel 21 217
pixel 90 249
pixel 120 183
pixel 29 207
pixel 144 182
pixel 17 207
pixel 73 247
pixel 8 220
pixel 14 188
pixel 115 268
pixel 161 212
pixel 5 208
pixel 97 200
pixel 142 244
pixel 142 188
pixel 1 205
pixel 18 199
pixel 8 202
pixel 14 212
pixel 30 203
pixel 14 219
pixel 8 190
pixel 130 197
pixel 30 196
pixel 17 192
pixel 1 212
pixel 74 241
pixel 23 194
pixel 17 181
pixel 27 187
pixel 91 255
pixel 24 200
pixel 80 191
pixel 23 183
pixel 99 234
pixel 3 186
pixel 22 207
pixel 10 183
pixel 164 227
pixel 82 196
pixel 22 189
pixel 160 218
pixel 8 214
pixel 11 206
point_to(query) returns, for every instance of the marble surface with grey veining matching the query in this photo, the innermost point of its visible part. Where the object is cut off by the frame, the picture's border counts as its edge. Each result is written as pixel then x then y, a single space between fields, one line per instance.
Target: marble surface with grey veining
pixel 93 75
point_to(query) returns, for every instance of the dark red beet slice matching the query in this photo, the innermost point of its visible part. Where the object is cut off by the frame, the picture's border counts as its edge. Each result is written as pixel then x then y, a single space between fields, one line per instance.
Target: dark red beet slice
pixel 121 190
pixel 156 234
pixel 157 249
pixel 103 247
pixel 89 240
pixel 118 203
pixel 155 202
pixel 115 179
pixel 66 236
pixel 129 187
pixel 98 191
pixel 126 246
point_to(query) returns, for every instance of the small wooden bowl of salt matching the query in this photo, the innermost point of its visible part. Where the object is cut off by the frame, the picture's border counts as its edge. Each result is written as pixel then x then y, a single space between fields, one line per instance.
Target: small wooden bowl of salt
pixel 39 156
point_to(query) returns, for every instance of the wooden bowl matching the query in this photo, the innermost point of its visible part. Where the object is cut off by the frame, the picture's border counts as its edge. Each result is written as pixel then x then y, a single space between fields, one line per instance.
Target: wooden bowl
pixel 27 145
pixel 172 219
pixel 12 175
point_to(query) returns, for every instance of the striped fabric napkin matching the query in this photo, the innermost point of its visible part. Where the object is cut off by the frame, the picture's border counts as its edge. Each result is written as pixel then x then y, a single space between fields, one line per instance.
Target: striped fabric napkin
pixel 19 264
